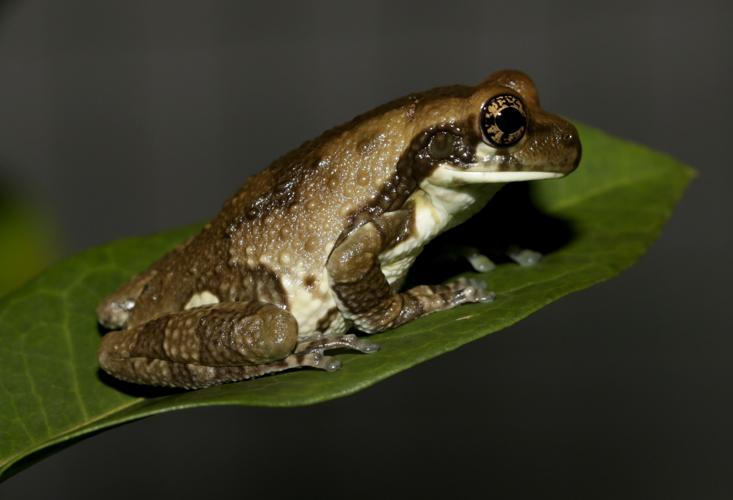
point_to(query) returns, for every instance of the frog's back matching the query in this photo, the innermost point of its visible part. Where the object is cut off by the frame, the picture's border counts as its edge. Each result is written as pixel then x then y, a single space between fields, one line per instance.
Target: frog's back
pixel 285 220
pixel 290 214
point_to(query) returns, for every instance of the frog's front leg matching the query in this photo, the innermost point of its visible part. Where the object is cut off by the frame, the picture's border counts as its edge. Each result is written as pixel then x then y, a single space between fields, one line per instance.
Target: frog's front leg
pixel 214 344
pixel 364 294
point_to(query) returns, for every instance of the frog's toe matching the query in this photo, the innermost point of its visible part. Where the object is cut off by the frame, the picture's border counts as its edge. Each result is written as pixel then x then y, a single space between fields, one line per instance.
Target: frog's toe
pixel 472 290
pixel 368 347
pixel 486 297
pixel 351 341
pixel 331 364
pixel 483 296
pixel 524 257
pixel 480 262
pixel 315 359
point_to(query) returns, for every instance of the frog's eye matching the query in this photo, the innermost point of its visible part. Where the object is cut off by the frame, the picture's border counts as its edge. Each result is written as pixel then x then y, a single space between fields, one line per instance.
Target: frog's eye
pixel 503 120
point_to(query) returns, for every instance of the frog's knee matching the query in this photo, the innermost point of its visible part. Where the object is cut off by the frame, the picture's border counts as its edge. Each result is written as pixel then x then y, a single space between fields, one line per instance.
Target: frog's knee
pixel 236 333
pixel 271 333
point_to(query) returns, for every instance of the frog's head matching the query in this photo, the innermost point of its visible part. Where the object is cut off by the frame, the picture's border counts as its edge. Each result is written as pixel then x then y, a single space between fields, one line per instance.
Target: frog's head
pixel 498 133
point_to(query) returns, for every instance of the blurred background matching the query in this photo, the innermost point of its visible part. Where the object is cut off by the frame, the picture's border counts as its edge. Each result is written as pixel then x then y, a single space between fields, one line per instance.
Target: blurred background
pixel 126 118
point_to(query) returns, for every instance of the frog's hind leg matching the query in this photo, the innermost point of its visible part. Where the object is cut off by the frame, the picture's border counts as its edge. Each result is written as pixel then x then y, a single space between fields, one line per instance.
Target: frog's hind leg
pixel 210 345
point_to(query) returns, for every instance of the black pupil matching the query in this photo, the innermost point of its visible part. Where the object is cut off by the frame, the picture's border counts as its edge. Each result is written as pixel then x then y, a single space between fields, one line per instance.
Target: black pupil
pixel 510 120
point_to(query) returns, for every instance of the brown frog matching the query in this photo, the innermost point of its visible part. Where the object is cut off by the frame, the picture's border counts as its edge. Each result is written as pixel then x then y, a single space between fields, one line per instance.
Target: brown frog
pixel 322 239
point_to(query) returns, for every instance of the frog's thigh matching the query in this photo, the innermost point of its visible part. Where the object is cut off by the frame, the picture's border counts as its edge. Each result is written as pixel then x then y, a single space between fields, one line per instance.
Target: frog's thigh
pixel 205 345
pixel 364 294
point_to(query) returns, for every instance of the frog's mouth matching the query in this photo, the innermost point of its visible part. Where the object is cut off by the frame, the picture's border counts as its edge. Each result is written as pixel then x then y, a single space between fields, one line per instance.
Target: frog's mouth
pixel 480 173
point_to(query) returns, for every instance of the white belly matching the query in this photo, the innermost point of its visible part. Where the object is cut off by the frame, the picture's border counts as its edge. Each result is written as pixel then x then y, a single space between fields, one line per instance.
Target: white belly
pixel 309 305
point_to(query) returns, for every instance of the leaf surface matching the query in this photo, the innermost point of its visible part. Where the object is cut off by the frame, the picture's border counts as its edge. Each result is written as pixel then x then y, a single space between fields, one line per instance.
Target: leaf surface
pixel 26 243
pixel 51 391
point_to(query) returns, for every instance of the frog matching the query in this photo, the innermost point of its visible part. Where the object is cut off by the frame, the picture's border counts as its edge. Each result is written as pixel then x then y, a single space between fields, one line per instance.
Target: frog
pixel 318 244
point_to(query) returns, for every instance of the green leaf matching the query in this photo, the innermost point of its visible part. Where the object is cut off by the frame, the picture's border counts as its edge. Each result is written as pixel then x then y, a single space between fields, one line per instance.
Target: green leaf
pixel 27 245
pixel 51 392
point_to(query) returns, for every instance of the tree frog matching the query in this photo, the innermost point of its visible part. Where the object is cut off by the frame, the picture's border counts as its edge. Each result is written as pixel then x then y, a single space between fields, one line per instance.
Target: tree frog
pixel 321 240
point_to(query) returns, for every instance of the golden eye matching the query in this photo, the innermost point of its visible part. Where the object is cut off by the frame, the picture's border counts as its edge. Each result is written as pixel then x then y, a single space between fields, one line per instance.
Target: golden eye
pixel 503 120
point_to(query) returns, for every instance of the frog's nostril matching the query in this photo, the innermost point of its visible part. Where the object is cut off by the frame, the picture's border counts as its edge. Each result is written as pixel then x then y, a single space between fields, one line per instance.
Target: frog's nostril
pixel 570 137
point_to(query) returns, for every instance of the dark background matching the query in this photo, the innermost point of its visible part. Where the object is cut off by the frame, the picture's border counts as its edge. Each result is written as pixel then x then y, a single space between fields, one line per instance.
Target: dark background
pixel 126 118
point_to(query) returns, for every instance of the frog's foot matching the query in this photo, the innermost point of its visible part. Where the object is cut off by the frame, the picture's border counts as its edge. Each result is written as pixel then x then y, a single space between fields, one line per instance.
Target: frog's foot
pixel 350 341
pixel 469 290
pixel 478 261
pixel 312 359
pixel 523 256
pixel 311 353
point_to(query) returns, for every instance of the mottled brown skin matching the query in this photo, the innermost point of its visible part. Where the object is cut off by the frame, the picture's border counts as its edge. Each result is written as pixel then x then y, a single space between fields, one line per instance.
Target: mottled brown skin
pixel 305 235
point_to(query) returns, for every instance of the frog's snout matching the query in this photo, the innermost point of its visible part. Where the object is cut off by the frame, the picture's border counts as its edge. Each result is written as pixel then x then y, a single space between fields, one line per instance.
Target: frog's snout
pixel 565 149
pixel 570 139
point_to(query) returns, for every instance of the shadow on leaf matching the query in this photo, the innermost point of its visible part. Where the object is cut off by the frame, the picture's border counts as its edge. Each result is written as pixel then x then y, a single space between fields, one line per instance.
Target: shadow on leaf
pixel 510 219
pixel 137 390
